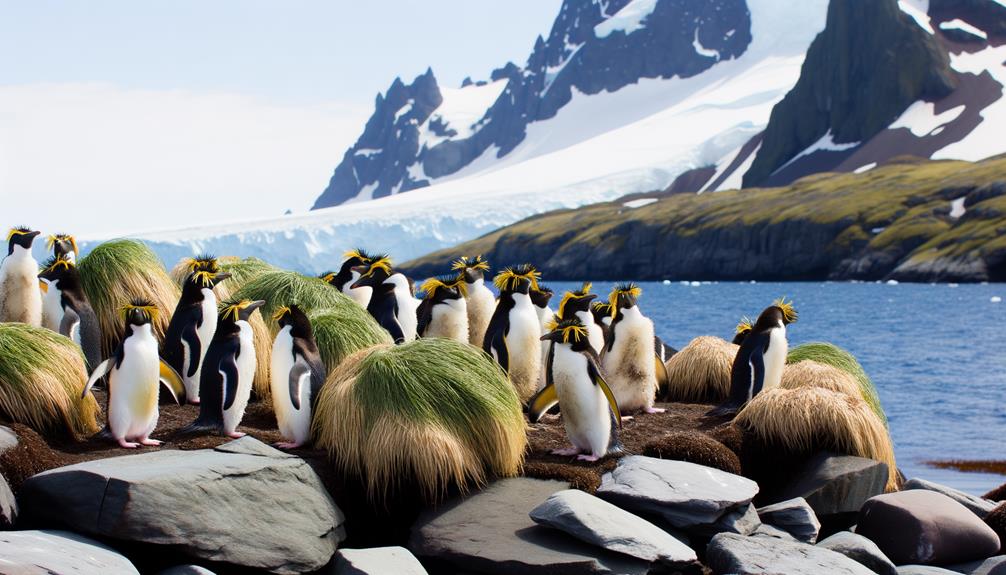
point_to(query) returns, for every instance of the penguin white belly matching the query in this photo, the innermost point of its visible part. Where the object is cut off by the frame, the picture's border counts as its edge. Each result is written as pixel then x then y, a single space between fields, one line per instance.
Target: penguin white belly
pixel 594 333
pixel 294 424
pixel 133 392
pixel 585 411
pixel 52 307
pixel 449 320
pixel 523 345
pixel 407 306
pixel 20 296
pixel 205 334
pixel 775 358
pixel 246 373
pixel 481 304
pixel 629 365
pixel 360 295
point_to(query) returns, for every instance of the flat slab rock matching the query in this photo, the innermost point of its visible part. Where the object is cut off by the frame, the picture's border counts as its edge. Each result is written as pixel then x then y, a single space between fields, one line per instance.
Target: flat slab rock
pixel 684 494
pixel 58 553
pixel 793 516
pixel 861 550
pixel 491 532
pixel 595 521
pixel 740 555
pixel 833 484
pixel 377 561
pixel 194 500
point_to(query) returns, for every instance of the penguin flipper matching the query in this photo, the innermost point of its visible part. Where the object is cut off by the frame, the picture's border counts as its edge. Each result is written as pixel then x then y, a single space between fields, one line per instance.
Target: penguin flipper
pixel 171 380
pixel 191 338
pixel 424 315
pixel 595 375
pixel 542 402
pixel 229 371
pixel 69 321
pixel 103 368
pixel 663 379
pixel 297 373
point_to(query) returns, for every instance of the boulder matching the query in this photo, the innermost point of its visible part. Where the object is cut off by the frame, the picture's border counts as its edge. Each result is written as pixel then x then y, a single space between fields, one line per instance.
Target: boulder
pixel 377 561
pixel 980 507
pixel 8 505
pixel 921 527
pixel 793 516
pixel 243 503
pixel 766 530
pixel 991 566
pixel 491 532
pixel 923 570
pixel 595 521
pixel 861 550
pixel 58 553
pixel 736 554
pixel 187 570
pixel 684 494
pixel 741 520
pixel 836 484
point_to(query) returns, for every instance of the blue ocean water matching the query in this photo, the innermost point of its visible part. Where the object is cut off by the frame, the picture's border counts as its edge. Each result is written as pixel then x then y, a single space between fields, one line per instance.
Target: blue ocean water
pixel 935 352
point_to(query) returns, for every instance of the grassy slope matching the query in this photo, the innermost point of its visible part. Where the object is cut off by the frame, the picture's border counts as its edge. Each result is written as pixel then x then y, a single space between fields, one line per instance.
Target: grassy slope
pixel 910 200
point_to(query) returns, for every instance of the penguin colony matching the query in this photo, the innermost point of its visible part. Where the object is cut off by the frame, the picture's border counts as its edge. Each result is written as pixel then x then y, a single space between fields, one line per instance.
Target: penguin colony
pixel 599 361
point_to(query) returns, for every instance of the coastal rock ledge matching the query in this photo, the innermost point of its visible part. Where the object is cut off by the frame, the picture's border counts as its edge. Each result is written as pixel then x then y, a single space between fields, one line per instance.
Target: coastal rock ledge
pixel 193 500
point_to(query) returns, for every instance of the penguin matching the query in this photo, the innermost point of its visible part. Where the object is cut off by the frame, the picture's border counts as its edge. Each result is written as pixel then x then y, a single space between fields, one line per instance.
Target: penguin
pixel 67 309
pixel 225 381
pixel 742 330
pixel 760 361
pixel 575 381
pixel 514 334
pixel 193 323
pixel 629 358
pixel 408 305
pixel 540 296
pixel 479 299
pixel 577 304
pixel 134 371
pixel 20 294
pixel 383 304
pixel 63 245
pixel 601 310
pixel 443 312
pixel 296 376
pixel 343 279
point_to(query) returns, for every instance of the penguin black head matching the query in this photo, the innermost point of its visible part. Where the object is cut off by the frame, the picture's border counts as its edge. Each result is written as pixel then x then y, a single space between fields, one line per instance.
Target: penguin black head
pixel 373 273
pixel 443 288
pixel 202 263
pixel 743 329
pixel 601 310
pixel 624 296
pixel 235 311
pixel 541 295
pixel 354 258
pixel 292 316
pixel 568 331
pixel 471 269
pixel 779 313
pixel 62 244
pixel 205 278
pixel 139 312
pixel 20 236
pixel 576 301
pixel 58 268
pixel 512 280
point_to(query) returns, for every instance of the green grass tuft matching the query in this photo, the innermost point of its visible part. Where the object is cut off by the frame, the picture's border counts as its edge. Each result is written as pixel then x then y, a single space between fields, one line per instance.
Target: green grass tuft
pixel 837 357
pixel 283 288
pixel 343 330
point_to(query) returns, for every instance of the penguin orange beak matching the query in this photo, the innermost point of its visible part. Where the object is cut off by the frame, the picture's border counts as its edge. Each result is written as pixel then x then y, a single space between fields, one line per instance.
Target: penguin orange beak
pixel 43 285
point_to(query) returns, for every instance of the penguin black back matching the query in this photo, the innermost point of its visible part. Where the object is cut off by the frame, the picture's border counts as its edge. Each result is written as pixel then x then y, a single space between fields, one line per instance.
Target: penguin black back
pixel 76 307
pixel 304 345
pixel 383 305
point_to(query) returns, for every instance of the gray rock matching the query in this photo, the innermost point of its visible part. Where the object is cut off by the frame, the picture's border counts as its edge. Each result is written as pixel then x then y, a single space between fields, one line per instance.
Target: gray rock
pixel 991 566
pixel 187 570
pixel 833 484
pixel 732 553
pixel 491 532
pixel 981 507
pixel 794 516
pixel 684 494
pixel 766 530
pixel 243 503
pixel 600 523
pixel 377 561
pixel 923 570
pixel 861 550
pixel 58 553
pixel 741 520
pixel 8 505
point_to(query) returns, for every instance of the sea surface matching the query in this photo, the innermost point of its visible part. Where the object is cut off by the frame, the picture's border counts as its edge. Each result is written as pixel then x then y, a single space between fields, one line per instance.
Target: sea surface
pixel 936 352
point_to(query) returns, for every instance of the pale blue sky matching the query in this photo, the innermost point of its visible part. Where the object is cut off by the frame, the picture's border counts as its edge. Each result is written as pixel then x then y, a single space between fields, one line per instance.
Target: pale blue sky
pixel 214 109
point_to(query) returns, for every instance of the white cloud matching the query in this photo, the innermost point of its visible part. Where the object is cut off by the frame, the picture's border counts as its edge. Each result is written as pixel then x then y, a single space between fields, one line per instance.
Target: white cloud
pixel 93 159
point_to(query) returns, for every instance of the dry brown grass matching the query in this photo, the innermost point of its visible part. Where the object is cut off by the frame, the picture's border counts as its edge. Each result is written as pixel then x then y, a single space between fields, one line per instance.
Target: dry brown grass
pixel 811 419
pixel 700 372
pixel 809 373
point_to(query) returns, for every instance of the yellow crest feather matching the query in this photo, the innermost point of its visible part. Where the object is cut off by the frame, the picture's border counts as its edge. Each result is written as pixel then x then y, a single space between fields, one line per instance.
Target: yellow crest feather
pixel 233 310
pixel 149 310
pixel 476 263
pixel 628 289
pixel 380 263
pixel 744 326
pixel 788 311
pixel 52 239
pixel 60 262
pixel 279 313
pixel 17 232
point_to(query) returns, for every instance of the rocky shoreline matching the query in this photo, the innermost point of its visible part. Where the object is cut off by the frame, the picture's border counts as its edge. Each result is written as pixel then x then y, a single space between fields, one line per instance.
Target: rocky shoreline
pixel 680 499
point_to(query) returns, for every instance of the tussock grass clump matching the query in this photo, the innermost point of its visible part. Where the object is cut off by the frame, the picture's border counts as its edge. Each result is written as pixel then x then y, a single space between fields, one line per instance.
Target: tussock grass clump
pixel 41 376
pixel 281 288
pixel 809 373
pixel 830 354
pixel 811 419
pixel 423 416
pixel 118 272
pixel 344 330
pixel 700 372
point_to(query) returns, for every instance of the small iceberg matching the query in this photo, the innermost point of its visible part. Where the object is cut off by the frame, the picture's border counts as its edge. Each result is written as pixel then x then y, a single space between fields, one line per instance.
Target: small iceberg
pixel 996 299
pixel 892 282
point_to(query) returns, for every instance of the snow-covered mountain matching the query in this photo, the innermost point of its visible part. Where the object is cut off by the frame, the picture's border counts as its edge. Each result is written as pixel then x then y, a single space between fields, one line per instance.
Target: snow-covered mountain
pixel 644 96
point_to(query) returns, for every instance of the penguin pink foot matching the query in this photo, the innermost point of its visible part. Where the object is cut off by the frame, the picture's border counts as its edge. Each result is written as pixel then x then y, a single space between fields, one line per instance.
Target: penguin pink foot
pixel 151 442
pixel 585 457
pixel 236 434
pixel 566 452
pixel 288 444
pixel 627 418
pixel 194 401
pixel 128 444
pixel 653 410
